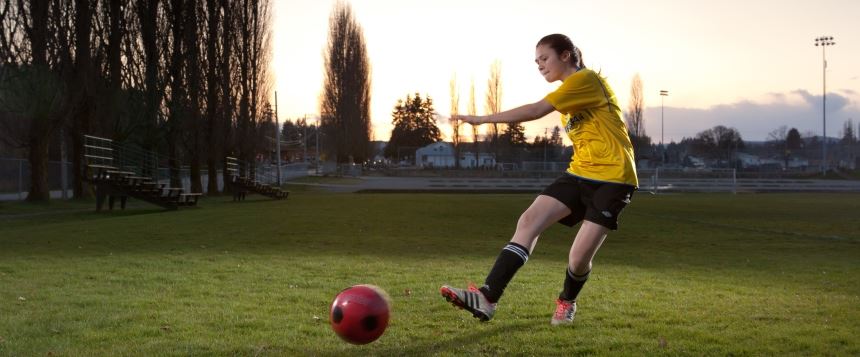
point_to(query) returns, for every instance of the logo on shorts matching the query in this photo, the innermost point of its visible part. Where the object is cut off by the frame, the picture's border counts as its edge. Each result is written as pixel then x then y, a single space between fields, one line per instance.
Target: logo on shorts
pixel 607 214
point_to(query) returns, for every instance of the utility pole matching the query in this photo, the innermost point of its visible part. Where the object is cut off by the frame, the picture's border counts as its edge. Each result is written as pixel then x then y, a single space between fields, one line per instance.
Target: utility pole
pixel 545 141
pixel 305 140
pixel 278 138
pixel 663 95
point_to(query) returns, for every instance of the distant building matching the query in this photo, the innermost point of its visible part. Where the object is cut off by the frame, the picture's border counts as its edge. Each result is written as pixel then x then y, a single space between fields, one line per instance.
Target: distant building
pixel 748 161
pixel 694 162
pixel 797 163
pixel 441 154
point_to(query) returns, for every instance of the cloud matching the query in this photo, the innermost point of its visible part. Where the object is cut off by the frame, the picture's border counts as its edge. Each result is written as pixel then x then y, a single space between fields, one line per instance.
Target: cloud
pixel 756 119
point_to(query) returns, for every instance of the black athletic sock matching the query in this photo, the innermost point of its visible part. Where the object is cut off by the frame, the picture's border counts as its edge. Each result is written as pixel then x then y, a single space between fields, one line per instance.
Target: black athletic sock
pixel 512 257
pixel 573 285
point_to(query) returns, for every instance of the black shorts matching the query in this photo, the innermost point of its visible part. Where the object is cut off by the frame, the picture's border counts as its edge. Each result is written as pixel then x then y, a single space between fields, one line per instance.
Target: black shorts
pixel 594 201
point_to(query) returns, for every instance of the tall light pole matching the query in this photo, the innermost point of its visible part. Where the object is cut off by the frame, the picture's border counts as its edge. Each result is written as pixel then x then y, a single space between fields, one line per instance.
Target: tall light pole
pixel 319 126
pixel 824 41
pixel 663 94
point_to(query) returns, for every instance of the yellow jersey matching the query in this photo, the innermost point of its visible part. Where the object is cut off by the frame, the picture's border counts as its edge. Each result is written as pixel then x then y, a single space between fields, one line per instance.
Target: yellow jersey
pixel 602 150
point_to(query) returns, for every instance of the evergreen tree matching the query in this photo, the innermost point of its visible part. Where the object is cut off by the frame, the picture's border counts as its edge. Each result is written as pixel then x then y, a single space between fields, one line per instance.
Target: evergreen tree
pixel 848 136
pixel 515 135
pixel 793 141
pixel 414 126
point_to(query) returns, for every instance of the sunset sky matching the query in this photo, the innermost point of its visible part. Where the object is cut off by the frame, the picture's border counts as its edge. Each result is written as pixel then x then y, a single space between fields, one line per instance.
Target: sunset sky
pixel 748 64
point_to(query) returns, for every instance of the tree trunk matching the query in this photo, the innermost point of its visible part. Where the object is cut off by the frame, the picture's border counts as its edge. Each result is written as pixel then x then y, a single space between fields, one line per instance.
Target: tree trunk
pixel 177 93
pixel 192 57
pixel 79 187
pixel 212 99
pixel 227 96
pixel 148 14
pixel 38 158
pixel 82 96
pixel 40 132
pixel 173 162
pixel 80 126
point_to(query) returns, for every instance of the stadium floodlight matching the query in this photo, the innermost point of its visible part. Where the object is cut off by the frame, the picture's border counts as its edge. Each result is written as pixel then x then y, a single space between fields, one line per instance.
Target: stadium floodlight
pixel 824 41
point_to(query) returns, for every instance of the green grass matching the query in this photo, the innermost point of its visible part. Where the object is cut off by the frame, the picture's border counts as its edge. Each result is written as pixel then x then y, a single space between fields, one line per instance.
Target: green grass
pixel 693 274
pixel 326 180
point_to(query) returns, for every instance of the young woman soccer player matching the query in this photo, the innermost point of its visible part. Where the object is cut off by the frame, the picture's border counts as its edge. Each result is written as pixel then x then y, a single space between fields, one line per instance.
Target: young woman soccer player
pixel 598 184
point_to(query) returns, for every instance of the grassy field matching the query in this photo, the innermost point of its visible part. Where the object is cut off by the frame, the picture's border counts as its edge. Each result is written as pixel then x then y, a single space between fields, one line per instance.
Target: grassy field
pixel 693 274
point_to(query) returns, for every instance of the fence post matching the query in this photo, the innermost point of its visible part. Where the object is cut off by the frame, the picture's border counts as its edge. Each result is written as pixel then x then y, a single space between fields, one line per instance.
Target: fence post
pixel 20 179
pixel 656 178
pixel 734 181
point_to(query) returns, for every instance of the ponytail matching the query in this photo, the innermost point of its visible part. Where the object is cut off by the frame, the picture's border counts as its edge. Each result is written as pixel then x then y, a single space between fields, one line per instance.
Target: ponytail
pixel 561 43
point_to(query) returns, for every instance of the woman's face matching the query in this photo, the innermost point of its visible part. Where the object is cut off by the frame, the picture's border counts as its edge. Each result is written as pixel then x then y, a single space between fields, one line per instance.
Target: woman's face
pixel 551 66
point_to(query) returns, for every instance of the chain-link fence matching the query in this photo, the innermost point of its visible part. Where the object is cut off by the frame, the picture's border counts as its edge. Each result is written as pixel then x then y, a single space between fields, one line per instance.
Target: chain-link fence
pixel 15 179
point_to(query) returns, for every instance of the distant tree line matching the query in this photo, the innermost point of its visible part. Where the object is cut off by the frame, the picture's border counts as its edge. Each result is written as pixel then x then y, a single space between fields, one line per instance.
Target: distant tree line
pixel 187 79
pixel 720 144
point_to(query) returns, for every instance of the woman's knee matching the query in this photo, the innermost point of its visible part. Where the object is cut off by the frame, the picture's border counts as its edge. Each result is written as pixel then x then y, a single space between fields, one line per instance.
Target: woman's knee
pixel 579 266
pixel 529 221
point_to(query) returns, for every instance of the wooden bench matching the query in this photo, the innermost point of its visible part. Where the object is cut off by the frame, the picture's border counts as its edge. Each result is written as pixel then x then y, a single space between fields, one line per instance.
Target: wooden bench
pixel 136 181
pixel 100 171
pixel 189 199
pixel 172 192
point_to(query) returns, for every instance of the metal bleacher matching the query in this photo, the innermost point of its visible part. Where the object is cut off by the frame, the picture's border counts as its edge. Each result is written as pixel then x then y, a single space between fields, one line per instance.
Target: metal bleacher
pixel 244 180
pixel 119 172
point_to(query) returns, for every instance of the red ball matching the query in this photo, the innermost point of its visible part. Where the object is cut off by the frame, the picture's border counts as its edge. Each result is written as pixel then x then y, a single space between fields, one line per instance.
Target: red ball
pixel 359 314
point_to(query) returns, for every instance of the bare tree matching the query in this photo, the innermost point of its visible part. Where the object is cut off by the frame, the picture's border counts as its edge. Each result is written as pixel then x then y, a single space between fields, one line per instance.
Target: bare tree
pixel 455 124
pixel 473 110
pixel 345 102
pixel 635 118
pixel 635 108
pixel 494 102
pixel 176 96
pixel 33 96
pixel 147 14
pixel 10 33
pixel 82 101
pixel 226 83
pixel 252 51
pixel 115 107
pixel 210 38
pixel 778 140
pixel 136 68
pixel 719 142
pixel 261 78
pixel 192 122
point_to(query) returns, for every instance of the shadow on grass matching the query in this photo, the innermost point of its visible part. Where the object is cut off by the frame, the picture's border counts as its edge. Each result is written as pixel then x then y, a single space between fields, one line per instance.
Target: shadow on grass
pixel 86 209
pixel 460 341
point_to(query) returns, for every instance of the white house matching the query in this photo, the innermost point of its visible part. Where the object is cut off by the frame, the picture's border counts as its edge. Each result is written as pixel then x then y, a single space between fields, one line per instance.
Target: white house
pixel 441 154
pixel 753 161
